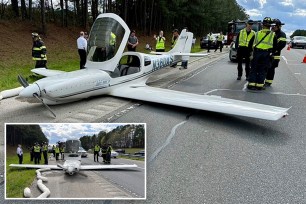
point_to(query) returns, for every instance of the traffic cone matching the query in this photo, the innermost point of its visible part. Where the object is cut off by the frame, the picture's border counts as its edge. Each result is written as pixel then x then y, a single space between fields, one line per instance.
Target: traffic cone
pixel 304 60
pixel 288 47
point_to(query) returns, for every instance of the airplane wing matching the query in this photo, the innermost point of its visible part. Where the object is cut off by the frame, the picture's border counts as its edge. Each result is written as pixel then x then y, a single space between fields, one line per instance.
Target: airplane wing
pixel 97 167
pixel 202 102
pixel 46 72
pixel 36 166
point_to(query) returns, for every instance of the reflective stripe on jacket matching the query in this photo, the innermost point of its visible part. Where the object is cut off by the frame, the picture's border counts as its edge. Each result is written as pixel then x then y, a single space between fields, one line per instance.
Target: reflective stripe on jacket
pixel 39 50
pixel 267 42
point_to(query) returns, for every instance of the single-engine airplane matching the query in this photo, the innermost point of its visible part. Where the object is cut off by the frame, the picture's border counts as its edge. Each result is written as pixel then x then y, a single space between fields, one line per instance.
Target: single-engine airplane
pixel 73 165
pixel 108 73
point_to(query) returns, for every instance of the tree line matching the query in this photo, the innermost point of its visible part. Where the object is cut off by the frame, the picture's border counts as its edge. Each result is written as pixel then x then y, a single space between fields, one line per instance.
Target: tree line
pixel 146 16
pixel 125 136
pixel 26 135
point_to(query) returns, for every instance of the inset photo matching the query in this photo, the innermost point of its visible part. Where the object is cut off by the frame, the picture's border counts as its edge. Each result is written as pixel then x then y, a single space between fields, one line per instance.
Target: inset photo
pixel 105 161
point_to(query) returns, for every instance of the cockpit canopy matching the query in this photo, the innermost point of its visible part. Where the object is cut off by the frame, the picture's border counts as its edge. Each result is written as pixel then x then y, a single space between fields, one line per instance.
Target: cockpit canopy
pixel 105 39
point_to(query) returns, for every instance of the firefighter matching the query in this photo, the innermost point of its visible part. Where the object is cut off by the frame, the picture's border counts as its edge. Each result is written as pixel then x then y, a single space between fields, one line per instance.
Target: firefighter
pixel 264 45
pixel 160 42
pixel 112 45
pixel 32 152
pixel 220 42
pixel 45 152
pixel 53 150
pixel 36 153
pixel 108 154
pixel 62 151
pixel 209 41
pixel 57 151
pixel 244 45
pixel 175 35
pixel 96 152
pixel 103 150
pixel 39 51
pixel 281 43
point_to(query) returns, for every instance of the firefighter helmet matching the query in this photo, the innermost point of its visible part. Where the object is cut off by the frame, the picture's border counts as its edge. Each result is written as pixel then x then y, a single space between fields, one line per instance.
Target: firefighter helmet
pixel 277 22
pixel 35 35
pixel 267 21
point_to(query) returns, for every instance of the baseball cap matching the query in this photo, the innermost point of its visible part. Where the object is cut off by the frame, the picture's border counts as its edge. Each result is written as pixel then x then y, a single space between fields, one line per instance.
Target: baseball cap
pixel 250 22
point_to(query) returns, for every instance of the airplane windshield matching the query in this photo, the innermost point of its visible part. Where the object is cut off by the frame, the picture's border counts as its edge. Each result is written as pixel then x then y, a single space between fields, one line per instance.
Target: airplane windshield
pixel 104 40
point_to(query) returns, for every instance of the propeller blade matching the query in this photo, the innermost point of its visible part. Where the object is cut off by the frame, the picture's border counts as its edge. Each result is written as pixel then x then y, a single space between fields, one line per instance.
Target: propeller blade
pixel 36 96
pixel 61 166
pixel 22 81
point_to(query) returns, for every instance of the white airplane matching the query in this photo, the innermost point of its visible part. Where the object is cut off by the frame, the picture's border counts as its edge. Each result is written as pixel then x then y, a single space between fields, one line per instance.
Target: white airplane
pixel 73 165
pixel 108 73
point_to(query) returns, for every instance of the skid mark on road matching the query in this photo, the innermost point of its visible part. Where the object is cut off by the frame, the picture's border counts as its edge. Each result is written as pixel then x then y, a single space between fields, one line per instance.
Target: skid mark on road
pixel 168 140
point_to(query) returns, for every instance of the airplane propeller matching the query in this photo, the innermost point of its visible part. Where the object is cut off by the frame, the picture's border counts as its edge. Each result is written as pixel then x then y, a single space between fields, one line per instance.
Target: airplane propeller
pixel 22 81
pixel 25 84
pixel 61 166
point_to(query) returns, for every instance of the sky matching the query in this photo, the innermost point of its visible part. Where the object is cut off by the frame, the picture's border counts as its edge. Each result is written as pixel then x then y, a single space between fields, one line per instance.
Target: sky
pixel 290 12
pixel 63 131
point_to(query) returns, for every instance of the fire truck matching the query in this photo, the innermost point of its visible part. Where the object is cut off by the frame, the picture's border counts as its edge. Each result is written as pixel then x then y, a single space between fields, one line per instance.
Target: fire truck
pixel 234 27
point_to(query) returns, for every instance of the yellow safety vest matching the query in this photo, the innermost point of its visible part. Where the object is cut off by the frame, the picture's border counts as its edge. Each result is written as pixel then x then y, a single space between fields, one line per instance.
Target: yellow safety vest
pixel 36 148
pixel 112 41
pixel 97 148
pixel 267 42
pixel 209 37
pixel 221 38
pixel 173 42
pixel 45 147
pixel 57 150
pixel 244 38
pixel 160 43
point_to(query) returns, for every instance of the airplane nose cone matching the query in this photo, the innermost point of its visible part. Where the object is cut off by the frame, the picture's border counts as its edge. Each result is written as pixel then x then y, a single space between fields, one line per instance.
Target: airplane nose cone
pixel 70 170
pixel 28 91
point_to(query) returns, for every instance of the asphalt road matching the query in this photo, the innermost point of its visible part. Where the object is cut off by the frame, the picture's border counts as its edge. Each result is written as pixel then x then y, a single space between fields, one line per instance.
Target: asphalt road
pixel 130 181
pixel 203 157
pixel 215 158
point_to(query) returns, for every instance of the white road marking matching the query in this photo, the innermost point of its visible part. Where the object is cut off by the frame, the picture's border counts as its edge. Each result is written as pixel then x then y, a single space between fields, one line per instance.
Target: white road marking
pixel 284 58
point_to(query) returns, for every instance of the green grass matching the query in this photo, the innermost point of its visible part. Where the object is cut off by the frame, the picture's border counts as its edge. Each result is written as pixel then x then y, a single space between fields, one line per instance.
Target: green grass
pixel 17 179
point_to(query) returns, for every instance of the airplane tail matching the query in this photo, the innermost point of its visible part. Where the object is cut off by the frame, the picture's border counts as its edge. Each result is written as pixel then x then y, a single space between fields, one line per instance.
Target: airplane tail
pixel 182 47
pixel 183 43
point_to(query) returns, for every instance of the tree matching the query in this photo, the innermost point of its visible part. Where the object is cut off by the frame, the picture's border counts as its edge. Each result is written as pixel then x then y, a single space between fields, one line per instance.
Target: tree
pixel 15 8
pixel 24 134
pixel 43 16
pixel 298 33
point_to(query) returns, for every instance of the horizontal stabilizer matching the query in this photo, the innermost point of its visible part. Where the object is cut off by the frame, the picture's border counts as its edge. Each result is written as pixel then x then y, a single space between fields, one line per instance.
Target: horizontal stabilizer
pixel 191 54
pixel 46 72
pixel 201 102
pixel 181 54
pixel 36 166
pixel 97 167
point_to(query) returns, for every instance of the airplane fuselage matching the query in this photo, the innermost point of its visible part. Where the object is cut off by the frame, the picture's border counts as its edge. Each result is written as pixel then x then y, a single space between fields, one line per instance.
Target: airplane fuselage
pixel 80 84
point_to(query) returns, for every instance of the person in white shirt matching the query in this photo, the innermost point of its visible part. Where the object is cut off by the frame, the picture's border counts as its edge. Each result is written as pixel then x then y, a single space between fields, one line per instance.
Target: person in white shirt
pixel 20 153
pixel 82 48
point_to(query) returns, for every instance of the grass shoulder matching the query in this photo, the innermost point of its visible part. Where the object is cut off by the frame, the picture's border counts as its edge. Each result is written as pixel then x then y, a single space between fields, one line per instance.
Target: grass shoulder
pixel 17 178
